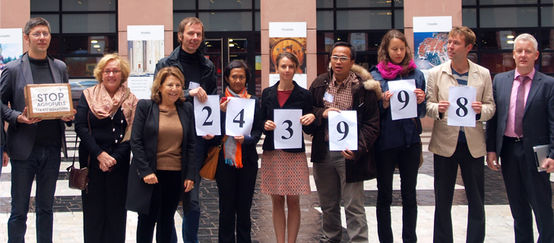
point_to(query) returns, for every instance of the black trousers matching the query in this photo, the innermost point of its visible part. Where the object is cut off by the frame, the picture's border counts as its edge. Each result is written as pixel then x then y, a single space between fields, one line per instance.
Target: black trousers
pixel 407 159
pixel 527 189
pixel 165 197
pixel 104 213
pixel 236 188
pixel 445 172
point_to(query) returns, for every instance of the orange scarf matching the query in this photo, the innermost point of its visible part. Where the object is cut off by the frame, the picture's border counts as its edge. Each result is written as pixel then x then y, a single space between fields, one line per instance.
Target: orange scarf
pixel 232 150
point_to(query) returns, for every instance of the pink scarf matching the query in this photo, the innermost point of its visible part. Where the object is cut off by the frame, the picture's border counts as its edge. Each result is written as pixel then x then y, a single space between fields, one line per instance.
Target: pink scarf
pixel 102 105
pixel 391 70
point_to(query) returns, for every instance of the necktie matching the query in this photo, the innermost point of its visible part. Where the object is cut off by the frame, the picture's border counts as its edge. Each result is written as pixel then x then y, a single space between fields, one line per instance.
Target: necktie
pixel 520 106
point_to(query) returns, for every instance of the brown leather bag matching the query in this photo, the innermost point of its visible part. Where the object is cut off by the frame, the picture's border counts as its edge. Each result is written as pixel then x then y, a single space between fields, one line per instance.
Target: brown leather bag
pixel 210 164
pixel 78 178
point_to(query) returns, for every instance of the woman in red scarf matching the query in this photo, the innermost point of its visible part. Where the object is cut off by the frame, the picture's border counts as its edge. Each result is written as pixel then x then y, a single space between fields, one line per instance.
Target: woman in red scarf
pixel 399 144
pixel 238 162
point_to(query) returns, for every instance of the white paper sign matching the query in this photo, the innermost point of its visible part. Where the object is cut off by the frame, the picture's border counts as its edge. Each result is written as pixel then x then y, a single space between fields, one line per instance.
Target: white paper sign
pixel 432 24
pixel 403 103
pixel 460 112
pixel 288 131
pixel 239 116
pixel 287 29
pixel 207 116
pixel 140 85
pixel 343 130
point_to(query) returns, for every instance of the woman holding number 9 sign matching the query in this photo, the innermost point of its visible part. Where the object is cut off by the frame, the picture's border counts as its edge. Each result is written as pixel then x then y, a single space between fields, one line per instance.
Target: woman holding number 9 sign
pixel 399 143
pixel 285 172
pixel 238 161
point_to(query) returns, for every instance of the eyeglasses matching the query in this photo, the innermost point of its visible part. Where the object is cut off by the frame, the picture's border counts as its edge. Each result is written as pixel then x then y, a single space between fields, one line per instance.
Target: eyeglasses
pixel 107 72
pixel 340 58
pixel 39 33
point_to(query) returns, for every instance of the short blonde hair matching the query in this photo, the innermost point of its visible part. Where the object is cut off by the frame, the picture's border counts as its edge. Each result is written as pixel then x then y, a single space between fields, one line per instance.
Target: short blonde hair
pixel 123 65
pixel 162 75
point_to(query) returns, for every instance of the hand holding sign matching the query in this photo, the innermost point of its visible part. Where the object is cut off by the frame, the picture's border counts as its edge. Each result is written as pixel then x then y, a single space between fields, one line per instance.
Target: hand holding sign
pixel 288 130
pixel 343 130
pixel 239 116
pixel 207 116
pixel 403 102
pixel 460 112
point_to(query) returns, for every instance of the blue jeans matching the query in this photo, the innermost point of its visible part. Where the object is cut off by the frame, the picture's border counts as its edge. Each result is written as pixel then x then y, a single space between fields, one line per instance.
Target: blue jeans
pixel 44 163
pixel 191 214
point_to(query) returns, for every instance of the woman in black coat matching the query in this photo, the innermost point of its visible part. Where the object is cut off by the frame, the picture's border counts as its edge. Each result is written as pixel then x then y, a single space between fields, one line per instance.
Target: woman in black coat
pixel 162 169
pixel 103 121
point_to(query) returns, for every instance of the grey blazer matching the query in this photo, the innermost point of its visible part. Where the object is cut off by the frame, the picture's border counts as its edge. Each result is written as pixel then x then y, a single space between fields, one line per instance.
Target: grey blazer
pixel 15 76
pixel 538 120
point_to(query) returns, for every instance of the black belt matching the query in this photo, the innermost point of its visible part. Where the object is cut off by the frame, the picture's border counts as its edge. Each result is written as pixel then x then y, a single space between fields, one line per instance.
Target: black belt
pixel 513 139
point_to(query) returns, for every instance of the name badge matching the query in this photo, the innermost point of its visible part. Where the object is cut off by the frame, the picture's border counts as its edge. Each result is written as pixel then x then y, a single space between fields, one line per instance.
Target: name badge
pixel 193 85
pixel 328 97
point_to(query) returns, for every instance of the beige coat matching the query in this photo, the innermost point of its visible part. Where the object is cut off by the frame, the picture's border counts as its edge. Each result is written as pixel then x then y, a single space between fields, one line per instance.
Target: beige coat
pixel 445 138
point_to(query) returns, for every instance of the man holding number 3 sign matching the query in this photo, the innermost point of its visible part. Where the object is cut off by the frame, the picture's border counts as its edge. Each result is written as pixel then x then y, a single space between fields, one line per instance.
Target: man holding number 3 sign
pixel 455 145
pixel 340 175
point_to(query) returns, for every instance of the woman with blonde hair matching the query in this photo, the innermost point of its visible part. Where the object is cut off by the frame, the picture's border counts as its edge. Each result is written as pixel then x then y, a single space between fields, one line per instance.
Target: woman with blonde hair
pixel 103 123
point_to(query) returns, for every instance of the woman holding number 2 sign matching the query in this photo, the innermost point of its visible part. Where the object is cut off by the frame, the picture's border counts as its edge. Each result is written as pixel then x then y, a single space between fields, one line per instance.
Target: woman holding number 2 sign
pixel 285 172
pixel 399 143
pixel 238 161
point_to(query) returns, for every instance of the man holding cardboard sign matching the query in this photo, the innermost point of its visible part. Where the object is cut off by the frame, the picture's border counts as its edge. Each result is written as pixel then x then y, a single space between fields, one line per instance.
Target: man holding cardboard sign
pixel 33 144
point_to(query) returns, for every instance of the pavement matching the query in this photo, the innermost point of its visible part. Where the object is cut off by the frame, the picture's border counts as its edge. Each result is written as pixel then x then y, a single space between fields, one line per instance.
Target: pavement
pixel 499 224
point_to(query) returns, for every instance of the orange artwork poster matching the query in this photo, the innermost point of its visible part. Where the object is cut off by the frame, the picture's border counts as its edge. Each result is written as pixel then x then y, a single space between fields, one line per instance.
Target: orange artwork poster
pixel 296 46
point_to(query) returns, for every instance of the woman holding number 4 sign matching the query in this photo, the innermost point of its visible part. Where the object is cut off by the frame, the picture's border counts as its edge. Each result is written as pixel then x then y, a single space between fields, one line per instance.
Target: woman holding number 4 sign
pixel 399 143
pixel 285 173
pixel 238 160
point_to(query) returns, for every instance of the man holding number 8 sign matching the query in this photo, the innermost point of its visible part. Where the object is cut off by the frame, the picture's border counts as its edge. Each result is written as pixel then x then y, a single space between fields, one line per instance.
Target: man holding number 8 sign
pixel 455 145
pixel 340 175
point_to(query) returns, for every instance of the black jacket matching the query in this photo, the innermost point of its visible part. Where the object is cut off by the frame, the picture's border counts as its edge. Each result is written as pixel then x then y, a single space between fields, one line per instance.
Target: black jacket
pixel 144 145
pixel 300 98
pixel 106 137
pixel 365 96
pixel 208 80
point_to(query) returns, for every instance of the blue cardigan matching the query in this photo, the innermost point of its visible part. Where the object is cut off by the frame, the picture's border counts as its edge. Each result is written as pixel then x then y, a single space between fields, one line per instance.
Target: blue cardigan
pixel 403 132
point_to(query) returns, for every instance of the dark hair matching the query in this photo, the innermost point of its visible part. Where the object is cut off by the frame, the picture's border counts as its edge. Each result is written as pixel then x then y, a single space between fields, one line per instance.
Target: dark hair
pixel 383 53
pixel 467 34
pixel 160 78
pixel 289 56
pixel 345 44
pixel 34 22
pixel 236 64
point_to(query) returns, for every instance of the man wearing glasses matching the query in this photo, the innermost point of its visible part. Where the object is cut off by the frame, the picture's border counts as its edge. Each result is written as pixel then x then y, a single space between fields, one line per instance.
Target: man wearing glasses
pixel 33 144
pixel 340 175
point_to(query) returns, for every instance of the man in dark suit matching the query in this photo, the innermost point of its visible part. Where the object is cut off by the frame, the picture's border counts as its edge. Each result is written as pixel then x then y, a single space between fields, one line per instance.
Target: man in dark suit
pixel 33 145
pixel 524 118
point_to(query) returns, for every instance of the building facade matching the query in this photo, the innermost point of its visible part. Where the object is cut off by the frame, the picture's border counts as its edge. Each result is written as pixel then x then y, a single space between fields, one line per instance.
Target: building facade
pixel 84 30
